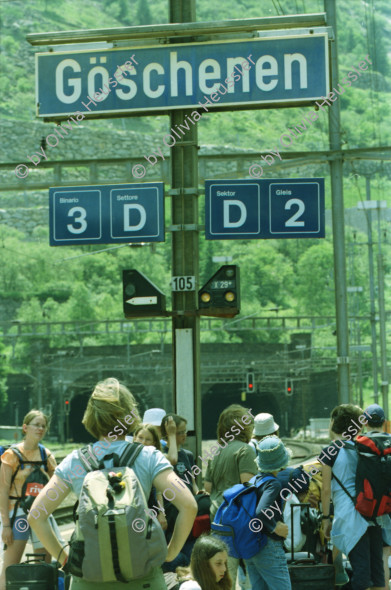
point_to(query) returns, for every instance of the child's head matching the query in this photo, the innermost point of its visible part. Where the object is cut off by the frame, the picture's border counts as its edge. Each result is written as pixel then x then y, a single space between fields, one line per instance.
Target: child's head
pixel 181 425
pixel 272 455
pixel 264 425
pixel 228 423
pixel 147 435
pixel 376 416
pixel 209 563
pixel 343 418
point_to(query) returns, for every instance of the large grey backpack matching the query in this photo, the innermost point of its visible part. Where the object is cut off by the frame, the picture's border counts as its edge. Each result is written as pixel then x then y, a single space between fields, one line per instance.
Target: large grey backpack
pixel 115 539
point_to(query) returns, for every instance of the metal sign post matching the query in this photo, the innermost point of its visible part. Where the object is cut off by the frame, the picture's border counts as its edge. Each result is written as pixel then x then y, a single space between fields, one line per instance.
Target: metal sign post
pixel 185 260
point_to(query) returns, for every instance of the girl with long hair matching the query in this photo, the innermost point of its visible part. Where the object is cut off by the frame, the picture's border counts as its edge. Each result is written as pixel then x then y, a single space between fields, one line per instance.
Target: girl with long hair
pixel 208 566
pixel 16 531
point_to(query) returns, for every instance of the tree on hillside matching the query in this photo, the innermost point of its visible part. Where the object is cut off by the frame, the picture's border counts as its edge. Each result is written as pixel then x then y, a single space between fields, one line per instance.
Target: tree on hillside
pixel 143 15
pixel 3 377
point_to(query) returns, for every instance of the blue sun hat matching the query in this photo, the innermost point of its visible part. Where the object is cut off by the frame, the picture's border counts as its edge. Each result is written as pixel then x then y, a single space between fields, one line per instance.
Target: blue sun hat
pixel 272 455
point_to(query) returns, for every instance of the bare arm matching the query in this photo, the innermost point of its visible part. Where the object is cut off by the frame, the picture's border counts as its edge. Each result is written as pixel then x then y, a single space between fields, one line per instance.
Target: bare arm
pixel 172 454
pixel 326 489
pixel 5 485
pixel 208 486
pixel 186 505
pixel 48 500
pixel 326 497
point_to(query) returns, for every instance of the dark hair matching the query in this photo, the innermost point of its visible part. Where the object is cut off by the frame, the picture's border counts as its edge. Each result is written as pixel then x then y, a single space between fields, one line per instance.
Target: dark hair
pixel 227 422
pixel 342 417
pixel 177 420
pixel 375 423
pixel 204 549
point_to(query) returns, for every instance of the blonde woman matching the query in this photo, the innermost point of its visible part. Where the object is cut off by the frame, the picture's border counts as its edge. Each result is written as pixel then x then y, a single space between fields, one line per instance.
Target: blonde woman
pixel 13 474
pixel 111 414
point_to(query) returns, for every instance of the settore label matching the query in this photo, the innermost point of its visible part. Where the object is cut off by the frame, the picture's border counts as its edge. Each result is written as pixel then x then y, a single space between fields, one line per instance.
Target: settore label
pixel 279 70
pixel 106 214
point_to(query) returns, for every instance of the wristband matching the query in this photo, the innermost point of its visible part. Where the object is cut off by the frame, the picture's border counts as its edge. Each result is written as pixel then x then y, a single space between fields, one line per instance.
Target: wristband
pixel 6 526
pixel 324 517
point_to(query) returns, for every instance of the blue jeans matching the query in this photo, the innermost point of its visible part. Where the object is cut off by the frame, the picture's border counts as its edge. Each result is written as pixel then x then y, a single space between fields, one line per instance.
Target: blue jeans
pixel 268 569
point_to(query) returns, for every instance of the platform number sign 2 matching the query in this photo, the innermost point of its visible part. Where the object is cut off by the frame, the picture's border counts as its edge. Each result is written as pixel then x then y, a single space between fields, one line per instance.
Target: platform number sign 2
pixel 295 208
pixel 294 220
pixel 264 209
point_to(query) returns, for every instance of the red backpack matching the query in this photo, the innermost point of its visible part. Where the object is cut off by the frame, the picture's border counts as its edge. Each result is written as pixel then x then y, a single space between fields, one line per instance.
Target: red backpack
pixel 373 475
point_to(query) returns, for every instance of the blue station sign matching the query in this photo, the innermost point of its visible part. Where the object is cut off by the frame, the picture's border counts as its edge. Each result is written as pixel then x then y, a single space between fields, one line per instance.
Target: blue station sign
pixel 252 73
pixel 264 209
pixel 107 214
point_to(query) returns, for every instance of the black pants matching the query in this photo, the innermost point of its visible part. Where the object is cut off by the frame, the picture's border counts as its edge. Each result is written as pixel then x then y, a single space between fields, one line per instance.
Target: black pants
pixel 366 559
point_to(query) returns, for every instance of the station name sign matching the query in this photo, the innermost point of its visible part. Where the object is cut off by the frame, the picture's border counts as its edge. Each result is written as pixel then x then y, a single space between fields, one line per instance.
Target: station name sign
pixel 274 71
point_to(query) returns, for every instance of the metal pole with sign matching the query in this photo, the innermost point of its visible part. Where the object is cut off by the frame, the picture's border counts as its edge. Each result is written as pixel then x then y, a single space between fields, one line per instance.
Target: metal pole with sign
pixel 185 258
pixel 338 217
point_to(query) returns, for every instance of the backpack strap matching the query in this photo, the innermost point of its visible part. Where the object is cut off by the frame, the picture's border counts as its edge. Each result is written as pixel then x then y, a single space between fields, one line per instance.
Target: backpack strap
pixel 88 459
pixel 130 454
pixel 44 456
pixel 344 489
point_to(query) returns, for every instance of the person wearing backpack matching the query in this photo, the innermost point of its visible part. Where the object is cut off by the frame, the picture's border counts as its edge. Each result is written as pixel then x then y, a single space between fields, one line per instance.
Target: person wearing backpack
pixel 375 426
pixel 355 536
pixel 268 569
pixel 233 461
pixel 25 469
pixel 118 542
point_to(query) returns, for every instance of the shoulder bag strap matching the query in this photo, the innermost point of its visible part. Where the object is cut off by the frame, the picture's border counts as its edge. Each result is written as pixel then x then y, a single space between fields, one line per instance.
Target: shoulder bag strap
pixel 344 489
pixel 130 454
pixel 44 456
pixel 88 459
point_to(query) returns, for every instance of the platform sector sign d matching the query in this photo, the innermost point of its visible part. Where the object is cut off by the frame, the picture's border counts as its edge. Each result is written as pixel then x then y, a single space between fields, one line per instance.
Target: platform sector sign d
pixel 264 209
pixel 280 71
pixel 106 214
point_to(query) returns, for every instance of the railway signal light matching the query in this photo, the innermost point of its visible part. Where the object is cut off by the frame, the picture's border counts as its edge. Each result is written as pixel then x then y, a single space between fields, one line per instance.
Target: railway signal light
pixel 67 407
pixel 288 387
pixel 250 382
pixel 220 296
pixel 141 298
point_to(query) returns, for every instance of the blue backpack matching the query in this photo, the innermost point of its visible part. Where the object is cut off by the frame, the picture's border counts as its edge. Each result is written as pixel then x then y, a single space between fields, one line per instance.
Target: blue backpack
pixel 236 522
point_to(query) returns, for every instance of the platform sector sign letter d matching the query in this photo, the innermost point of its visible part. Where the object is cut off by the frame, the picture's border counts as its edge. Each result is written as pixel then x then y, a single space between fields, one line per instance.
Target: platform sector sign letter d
pixel 127 214
pixel 231 203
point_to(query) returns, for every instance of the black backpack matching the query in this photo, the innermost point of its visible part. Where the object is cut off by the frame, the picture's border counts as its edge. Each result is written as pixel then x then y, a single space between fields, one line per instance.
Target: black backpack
pixel 34 482
pixel 373 475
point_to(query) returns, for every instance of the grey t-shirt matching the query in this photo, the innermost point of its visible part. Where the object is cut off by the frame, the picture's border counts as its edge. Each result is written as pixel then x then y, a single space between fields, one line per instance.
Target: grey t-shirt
pixel 149 463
